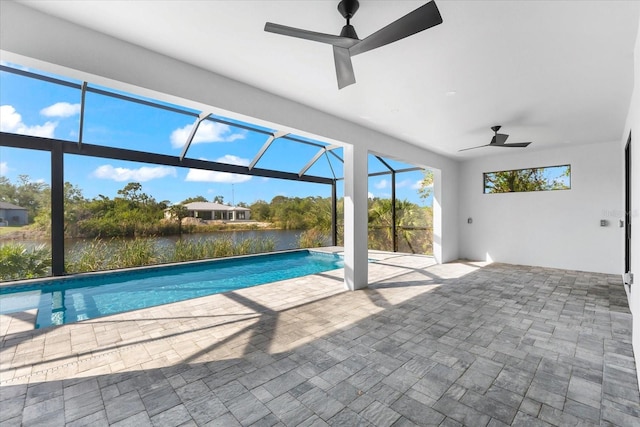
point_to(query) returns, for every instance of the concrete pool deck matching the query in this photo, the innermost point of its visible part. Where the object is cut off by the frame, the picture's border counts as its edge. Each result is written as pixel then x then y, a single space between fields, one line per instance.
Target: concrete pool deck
pixel 463 343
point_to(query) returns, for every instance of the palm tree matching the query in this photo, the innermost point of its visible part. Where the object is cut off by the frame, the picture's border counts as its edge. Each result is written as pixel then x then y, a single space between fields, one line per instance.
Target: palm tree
pixel 408 217
pixel 178 212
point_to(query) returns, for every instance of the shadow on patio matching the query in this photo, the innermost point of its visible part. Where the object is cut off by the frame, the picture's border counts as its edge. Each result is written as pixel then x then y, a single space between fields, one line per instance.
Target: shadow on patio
pixel 425 344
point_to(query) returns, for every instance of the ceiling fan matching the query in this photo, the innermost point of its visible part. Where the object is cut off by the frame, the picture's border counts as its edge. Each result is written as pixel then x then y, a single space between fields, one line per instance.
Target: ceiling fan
pixel 347 44
pixel 499 140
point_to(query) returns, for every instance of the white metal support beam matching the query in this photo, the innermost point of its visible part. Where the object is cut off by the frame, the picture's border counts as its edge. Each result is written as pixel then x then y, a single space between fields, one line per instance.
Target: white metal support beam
pixel 83 95
pixel 194 129
pixel 315 158
pixel 265 147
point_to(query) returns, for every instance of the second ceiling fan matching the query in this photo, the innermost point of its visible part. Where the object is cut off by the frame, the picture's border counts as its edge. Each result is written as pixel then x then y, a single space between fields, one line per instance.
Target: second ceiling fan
pixel 499 140
pixel 347 44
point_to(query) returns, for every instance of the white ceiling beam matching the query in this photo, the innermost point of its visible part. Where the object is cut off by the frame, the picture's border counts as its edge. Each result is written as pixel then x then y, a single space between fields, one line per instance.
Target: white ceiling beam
pixel 265 147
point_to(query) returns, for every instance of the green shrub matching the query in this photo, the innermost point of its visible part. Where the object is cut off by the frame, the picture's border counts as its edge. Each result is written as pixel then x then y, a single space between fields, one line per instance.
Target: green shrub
pixel 93 256
pixel 18 262
pixel 133 253
pixel 187 250
pixel 112 254
pixel 313 238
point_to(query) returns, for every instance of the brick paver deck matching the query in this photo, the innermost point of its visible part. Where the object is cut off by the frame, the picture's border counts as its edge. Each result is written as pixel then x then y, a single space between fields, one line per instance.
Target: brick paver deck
pixel 455 344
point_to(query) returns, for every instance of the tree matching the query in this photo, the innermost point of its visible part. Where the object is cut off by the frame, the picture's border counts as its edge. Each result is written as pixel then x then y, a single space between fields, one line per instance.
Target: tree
pixel 134 213
pixel 426 185
pixel 413 226
pixel 133 192
pixel 532 179
pixel 25 193
pixel 179 212
pixel 75 210
pixel 260 210
pixel 218 199
pixel 194 199
pixel 7 190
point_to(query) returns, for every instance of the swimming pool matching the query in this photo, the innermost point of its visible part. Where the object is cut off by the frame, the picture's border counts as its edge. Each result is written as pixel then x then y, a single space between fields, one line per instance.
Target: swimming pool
pixel 88 296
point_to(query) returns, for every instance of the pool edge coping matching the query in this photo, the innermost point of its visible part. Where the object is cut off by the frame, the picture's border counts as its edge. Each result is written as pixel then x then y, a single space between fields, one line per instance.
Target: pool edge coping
pixel 88 274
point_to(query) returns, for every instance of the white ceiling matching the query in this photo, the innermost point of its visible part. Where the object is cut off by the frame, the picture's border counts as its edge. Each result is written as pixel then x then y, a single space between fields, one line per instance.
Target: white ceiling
pixel 551 72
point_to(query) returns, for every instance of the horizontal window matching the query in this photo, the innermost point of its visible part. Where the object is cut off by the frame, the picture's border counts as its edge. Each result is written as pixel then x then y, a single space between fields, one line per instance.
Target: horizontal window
pixel 531 179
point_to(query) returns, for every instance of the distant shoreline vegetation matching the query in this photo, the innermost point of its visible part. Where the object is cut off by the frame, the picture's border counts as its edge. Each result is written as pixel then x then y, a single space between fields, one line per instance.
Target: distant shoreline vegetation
pixel 133 213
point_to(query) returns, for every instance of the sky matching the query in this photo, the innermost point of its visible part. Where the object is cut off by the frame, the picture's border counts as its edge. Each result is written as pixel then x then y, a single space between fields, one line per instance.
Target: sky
pixel 33 107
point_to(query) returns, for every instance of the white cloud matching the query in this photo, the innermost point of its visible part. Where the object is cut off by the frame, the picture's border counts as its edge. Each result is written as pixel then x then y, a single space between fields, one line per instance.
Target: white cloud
pixel 61 109
pixel 142 174
pixel 11 122
pixel 370 195
pixel 199 175
pixel 383 183
pixel 207 132
pixel 4 168
pixel 404 183
pixel 233 160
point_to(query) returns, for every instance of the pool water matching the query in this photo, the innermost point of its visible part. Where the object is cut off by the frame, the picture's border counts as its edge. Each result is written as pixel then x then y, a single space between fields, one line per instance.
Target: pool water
pixel 84 297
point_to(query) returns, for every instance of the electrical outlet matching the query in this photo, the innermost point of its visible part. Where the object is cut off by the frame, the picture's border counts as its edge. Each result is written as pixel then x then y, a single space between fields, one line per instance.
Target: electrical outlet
pixel 628 278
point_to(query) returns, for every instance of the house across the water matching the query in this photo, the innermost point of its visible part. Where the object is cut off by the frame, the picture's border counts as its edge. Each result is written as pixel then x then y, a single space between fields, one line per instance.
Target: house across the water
pixel 208 211
pixel 11 214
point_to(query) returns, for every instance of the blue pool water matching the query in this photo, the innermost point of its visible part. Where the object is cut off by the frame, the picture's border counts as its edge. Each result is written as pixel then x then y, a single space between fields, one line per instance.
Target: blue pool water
pixel 78 298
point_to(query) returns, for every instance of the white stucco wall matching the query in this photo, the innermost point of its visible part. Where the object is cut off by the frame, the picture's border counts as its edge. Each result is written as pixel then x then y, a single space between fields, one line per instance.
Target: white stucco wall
pixel 559 229
pixel 633 126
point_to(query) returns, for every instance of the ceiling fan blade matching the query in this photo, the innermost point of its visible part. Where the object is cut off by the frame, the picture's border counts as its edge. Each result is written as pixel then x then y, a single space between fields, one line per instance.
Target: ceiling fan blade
pixel 424 17
pixel 344 42
pixel 473 148
pixel 344 68
pixel 499 139
pixel 516 145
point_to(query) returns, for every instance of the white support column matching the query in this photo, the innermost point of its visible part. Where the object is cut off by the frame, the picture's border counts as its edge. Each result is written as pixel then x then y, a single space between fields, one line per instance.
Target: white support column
pixel 437 216
pixel 356 268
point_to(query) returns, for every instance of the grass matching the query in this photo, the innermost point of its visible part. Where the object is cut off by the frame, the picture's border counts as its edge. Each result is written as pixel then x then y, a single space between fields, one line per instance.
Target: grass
pixel 11 229
pixel 19 262
pixel 113 254
pixel 312 239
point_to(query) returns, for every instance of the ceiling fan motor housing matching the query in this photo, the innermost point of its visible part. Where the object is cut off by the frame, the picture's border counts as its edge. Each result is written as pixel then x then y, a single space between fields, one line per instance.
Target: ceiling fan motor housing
pixel 348 8
pixel 349 31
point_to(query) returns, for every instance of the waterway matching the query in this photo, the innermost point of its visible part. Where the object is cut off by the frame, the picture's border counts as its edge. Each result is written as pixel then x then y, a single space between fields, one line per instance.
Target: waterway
pixel 283 239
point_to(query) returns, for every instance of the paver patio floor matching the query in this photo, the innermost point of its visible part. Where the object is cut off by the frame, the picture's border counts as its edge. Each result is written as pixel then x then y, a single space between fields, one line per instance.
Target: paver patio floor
pixel 462 343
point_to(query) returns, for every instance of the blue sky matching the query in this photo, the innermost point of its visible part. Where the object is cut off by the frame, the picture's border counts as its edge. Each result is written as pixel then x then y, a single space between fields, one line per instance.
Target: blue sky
pixel 39 108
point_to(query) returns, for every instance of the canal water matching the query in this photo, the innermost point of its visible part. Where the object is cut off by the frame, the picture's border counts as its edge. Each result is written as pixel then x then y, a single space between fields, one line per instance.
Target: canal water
pixel 283 239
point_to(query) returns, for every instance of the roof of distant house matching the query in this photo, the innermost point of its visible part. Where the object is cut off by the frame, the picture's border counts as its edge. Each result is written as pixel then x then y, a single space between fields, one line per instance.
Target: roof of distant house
pixel 210 206
pixel 6 205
